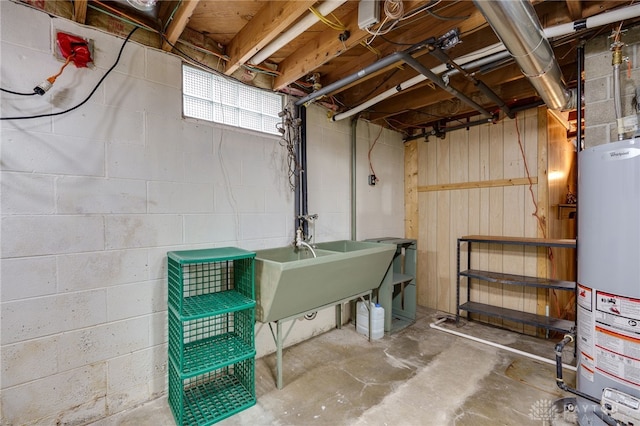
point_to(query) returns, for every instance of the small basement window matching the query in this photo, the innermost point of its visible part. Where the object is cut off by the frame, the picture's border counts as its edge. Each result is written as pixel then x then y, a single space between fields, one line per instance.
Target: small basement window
pixel 211 97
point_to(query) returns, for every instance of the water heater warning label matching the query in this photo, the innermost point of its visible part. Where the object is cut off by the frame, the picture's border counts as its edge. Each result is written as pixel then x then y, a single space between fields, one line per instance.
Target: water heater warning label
pixel 617 337
pixel 584 297
pixel 621 313
pixel 618 356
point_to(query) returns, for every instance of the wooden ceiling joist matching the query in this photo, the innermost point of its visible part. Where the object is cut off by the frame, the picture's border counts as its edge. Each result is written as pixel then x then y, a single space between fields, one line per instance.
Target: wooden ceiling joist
pixel 575 9
pixel 271 20
pixel 179 23
pixel 80 11
pixel 319 51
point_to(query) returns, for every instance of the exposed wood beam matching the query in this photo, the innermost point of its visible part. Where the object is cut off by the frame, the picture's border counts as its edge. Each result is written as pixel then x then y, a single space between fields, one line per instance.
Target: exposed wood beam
pixel 575 9
pixel 319 51
pixel 80 11
pixel 479 184
pixel 179 22
pixel 269 22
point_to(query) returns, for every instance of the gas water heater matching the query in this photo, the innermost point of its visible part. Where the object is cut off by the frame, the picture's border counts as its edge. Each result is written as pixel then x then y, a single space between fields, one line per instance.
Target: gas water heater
pixel 608 294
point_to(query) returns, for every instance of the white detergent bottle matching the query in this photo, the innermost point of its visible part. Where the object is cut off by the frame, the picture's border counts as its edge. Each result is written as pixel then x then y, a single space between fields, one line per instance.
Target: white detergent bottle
pixel 377 320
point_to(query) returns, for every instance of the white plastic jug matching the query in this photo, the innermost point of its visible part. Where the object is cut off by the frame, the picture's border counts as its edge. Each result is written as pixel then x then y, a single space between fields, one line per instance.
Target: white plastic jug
pixel 377 320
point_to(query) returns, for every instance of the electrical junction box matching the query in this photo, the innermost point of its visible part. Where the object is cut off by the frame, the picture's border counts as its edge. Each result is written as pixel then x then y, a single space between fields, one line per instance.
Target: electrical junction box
pixel 66 44
pixel 368 13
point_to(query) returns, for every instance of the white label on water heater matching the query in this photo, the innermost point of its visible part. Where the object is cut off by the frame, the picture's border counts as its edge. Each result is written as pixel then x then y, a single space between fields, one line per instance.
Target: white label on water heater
pixel 621 154
pixel 617 338
pixel 585 323
pixel 584 297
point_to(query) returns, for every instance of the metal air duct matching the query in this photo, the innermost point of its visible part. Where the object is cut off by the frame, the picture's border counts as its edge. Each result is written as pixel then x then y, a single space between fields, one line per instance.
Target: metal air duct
pixel 518 27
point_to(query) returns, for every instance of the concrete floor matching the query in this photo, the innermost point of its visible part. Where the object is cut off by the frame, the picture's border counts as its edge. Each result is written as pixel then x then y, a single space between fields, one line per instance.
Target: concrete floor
pixel 418 376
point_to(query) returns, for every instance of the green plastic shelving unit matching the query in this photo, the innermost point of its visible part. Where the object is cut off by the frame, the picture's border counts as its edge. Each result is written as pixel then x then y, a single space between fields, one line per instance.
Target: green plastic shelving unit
pixel 211 334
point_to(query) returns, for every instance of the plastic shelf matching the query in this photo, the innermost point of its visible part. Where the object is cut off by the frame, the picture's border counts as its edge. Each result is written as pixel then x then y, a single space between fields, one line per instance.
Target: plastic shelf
pixel 211 321
pixel 215 352
pixel 210 343
pixel 205 305
pixel 214 396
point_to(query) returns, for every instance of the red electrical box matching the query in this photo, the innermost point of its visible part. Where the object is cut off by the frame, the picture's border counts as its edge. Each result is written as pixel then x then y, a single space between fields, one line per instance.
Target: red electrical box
pixel 80 48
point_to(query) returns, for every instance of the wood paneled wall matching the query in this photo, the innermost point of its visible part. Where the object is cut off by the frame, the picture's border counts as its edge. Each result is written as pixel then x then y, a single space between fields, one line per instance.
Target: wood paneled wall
pixel 474 182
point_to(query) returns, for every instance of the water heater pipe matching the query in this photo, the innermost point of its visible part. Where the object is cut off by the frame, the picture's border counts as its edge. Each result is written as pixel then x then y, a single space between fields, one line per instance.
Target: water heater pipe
pixel 580 67
pixel 616 61
pixel 435 326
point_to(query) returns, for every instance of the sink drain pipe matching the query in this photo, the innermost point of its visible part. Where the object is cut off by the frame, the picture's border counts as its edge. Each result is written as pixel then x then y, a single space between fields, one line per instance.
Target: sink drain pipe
pixel 301 195
pixel 436 326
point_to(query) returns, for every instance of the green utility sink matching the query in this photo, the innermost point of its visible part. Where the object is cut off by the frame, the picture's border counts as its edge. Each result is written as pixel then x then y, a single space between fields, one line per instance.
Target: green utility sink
pixel 290 281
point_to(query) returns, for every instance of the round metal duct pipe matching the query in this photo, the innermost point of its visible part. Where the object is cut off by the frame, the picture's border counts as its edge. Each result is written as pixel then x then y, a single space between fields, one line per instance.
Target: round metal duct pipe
pixel 519 29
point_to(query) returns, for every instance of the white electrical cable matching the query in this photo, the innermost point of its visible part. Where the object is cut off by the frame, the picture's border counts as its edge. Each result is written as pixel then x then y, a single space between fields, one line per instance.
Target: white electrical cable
pixel 435 326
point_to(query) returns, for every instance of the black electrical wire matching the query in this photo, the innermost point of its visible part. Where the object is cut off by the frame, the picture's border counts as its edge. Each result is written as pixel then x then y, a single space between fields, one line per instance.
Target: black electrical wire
pixel 90 94
pixel 395 42
pixel 17 93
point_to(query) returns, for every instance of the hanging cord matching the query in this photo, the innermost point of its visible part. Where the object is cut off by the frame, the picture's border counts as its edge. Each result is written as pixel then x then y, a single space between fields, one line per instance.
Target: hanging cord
pixel 373 173
pixel 288 128
pixel 124 43
pixel 541 220
pixel 394 9
pixel 17 93
pixel 338 26
pixel 45 85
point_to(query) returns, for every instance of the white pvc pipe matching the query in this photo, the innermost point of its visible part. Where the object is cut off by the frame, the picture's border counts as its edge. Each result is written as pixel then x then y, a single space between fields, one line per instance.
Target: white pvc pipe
pixel 435 326
pixel 594 21
pixel 298 28
pixel 555 31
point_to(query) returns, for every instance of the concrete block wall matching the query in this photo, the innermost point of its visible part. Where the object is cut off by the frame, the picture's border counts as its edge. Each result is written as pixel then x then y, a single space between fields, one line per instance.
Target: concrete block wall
pixel 600 120
pixel 92 200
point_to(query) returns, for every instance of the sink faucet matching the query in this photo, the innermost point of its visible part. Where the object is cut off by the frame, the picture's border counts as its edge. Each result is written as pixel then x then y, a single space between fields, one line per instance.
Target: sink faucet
pixel 308 217
pixel 301 243
pixel 311 220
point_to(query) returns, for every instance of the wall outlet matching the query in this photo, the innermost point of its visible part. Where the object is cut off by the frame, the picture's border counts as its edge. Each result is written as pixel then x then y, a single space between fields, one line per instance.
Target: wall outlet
pixel 372 180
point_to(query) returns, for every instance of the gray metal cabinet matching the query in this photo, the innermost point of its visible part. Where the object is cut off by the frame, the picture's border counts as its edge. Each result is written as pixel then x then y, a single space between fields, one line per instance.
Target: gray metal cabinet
pixel 397 293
